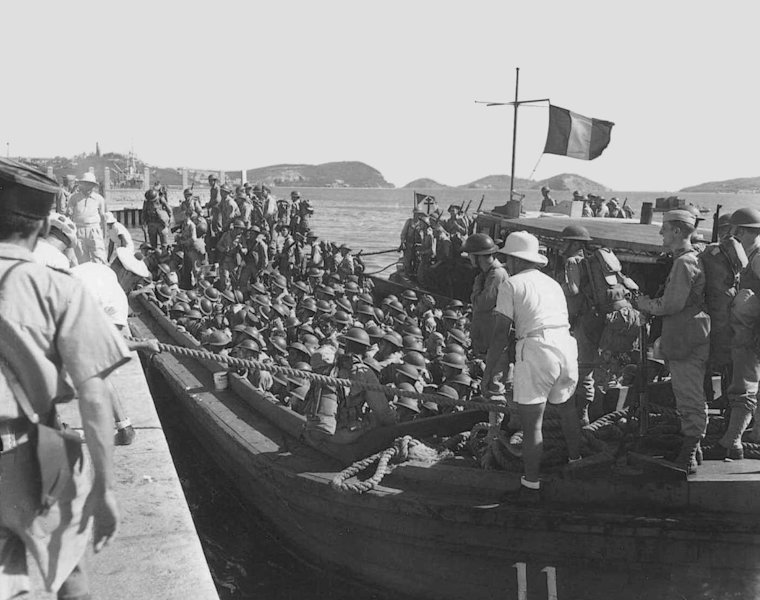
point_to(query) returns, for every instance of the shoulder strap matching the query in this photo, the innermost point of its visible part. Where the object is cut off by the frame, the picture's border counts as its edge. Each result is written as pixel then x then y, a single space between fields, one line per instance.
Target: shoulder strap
pixel 18 391
pixel 13 382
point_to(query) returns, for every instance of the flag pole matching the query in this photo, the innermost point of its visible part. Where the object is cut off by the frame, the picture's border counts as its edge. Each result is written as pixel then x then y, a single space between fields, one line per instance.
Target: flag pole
pixel 514 137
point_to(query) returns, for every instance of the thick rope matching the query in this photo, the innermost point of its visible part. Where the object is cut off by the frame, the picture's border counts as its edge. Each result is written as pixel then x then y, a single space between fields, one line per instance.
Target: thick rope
pixel 248 363
pixel 379 252
pixel 385 268
pixel 403 449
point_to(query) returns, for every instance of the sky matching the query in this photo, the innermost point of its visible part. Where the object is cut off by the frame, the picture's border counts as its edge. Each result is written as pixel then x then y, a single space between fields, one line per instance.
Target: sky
pixel 242 84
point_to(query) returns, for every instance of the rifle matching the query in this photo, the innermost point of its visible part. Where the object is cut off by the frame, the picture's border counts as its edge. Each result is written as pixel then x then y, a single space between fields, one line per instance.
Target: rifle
pixel 716 218
pixel 483 197
pixel 468 206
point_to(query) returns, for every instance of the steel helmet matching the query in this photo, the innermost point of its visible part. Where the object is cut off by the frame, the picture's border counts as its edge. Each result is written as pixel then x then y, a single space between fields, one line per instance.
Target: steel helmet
pixel 288 301
pixel 455 304
pixel 179 307
pixel 746 217
pixel 415 359
pixel 291 321
pixel 479 243
pixel 300 285
pixel 66 226
pixel 364 297
pixel 358 335
pixel 217 338
pixel 412 343
pixel 453 347
pixel 164 291
pixel 193 313
pixel 365 309
pixel 351 286
pixel 341 317
pixel 280 309
pixel 448 392
pixel 409 295
pixel 408 371
pixel 151 195
pixel 324 306
pixel 308 304
pixel 459 336
pixel 249 344
pixel 206 306
pixel 192 296
pixel 278 344
pixel 576 232
pixel 454 360
pixel 344 305
pixel 299 346
pixel 450 315
pixel 262 300
pixel 394 339
pixel 414 331
pixel 374 332
pixel 211 293
pixel 379 315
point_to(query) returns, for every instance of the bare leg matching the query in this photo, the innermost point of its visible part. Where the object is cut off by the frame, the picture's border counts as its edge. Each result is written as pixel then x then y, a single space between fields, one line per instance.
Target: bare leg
pixel 532 417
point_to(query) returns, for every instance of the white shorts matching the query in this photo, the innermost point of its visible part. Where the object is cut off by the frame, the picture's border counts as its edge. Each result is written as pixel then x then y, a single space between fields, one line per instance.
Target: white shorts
pixel 546 368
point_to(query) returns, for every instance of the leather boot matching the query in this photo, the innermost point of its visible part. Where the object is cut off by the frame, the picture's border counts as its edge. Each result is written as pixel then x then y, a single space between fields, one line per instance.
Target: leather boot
pixel 732 438
pixel 687 456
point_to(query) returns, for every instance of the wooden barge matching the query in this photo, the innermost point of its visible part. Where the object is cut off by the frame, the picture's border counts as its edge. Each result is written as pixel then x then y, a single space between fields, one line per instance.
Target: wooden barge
pixel 445 530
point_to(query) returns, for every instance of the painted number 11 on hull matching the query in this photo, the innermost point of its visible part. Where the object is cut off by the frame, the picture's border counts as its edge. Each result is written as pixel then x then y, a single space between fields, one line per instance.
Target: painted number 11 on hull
pixel 522 581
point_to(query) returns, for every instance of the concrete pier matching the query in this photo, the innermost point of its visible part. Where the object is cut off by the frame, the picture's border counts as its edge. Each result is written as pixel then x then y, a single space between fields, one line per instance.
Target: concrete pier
pixel 156 552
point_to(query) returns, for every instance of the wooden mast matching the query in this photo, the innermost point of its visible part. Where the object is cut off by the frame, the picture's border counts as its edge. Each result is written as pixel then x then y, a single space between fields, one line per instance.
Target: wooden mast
pixel 514 136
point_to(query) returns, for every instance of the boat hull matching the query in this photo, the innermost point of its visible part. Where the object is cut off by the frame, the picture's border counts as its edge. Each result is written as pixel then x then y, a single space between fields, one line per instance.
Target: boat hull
pixel 444 531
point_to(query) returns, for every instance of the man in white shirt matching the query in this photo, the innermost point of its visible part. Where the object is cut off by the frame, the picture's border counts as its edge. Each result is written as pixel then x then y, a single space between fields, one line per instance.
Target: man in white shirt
pixel 546 364
pixel 118 237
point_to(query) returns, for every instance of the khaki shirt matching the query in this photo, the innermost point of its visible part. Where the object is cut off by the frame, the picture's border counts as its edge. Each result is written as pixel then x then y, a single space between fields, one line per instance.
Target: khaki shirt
pixel 485 291
pixel 684 287
pixel 49 324
pixel 86 210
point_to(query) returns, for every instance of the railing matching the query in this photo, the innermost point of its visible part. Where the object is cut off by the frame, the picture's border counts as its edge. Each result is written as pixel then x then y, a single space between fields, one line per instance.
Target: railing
pixel 129 217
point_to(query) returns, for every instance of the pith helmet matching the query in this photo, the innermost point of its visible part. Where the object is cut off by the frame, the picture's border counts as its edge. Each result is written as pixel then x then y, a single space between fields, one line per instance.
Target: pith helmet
pixel 479 243
pixel 576 232
pixel 746 217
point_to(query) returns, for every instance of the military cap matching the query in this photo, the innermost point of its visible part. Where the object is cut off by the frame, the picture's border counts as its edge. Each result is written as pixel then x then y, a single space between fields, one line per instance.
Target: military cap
pixel 684 216
pixel 256 188
pixel 25 191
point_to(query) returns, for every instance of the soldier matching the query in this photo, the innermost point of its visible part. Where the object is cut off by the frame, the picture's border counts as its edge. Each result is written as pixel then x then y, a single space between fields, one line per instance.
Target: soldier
pixel 546 368
pixel 685 335
pixel 56 342
pixel 597 296
pixel 230 248
pixel 745 316
pixel 409 241
pixel 156 215
pixel 244 205
pixel 256 257
pixel 87 209
pixel 548 203
pixel 480 249
pixel 118 237
pixel 227 207
pixel 345 263
pixel 190 201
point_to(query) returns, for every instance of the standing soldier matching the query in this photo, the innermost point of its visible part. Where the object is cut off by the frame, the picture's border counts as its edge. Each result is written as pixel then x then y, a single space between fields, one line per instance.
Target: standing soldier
pixel 480 249
pixel 156 215
pixel 256 257
pixel 546 366
pixel 345 263
pixel 548 203
pixel 54 336
pixel 745 316
pixel 227 207
pixel 87 209
pixel 685 339
pixel 599 310
pixel 244 205
pixel 230 249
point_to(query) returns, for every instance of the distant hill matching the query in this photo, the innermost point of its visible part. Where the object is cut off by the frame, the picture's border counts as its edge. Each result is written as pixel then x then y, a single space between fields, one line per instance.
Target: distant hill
pixel 742 184
pixel 423 184
pixel 332 174
pixel 496 182
pixel 570 182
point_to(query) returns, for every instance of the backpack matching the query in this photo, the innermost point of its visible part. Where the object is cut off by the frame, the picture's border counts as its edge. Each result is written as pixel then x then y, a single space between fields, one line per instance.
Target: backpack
pixel 610 292
pixel 722 263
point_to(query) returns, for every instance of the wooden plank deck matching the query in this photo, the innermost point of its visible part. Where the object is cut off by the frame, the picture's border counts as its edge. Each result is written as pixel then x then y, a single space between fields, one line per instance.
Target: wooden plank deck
pixel 156 553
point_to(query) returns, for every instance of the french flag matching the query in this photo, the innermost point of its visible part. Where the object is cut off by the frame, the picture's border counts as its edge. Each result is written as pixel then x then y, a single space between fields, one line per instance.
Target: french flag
pixel 574 135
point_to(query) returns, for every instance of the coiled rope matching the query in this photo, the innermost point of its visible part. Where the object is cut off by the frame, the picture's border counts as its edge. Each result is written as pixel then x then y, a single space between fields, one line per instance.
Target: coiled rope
pixel 248 363
pixel 403 449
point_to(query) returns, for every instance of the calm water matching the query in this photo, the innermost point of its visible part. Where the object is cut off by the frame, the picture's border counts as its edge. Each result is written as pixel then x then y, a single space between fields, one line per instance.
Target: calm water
pixel 372 218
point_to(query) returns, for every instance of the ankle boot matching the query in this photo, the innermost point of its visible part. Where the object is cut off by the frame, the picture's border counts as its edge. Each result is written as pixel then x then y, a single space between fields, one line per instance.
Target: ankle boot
pixel 732 438
pixel 687 457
